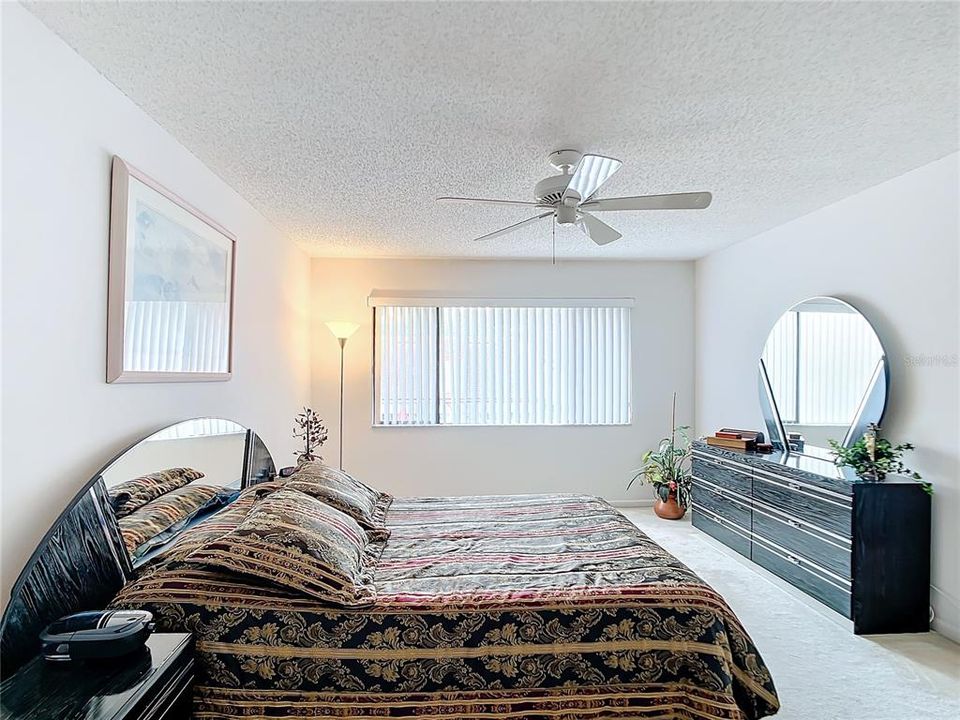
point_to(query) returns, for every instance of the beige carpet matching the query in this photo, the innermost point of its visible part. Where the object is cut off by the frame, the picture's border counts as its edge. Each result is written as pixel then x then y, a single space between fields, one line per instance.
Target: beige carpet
pixel 821 669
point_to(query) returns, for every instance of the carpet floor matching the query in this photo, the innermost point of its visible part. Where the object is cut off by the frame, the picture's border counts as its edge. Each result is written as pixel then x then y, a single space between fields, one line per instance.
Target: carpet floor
pixel 821 669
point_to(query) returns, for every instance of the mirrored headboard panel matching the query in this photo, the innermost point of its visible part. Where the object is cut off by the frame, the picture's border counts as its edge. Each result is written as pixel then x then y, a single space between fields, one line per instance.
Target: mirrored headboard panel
pixel 128 513
pixel 212 446
pixel 824 376
pixel 178 476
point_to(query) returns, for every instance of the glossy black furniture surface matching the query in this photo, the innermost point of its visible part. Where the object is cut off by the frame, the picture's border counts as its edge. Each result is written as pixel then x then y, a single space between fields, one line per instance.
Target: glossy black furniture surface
pixel 862 549
pixel 81 563
pixel 154 684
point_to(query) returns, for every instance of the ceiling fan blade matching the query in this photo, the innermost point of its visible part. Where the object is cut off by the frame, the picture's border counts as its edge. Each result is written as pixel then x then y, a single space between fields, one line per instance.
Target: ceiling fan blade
pixel 676 201
pixel 488 201
pixel 511 228
pixel 597 230
pixel 591 172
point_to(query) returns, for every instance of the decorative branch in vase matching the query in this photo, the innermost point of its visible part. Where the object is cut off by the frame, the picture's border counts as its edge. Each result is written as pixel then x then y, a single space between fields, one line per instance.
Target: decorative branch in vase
pixel 309 428
pixel 668 469
pixel 873 457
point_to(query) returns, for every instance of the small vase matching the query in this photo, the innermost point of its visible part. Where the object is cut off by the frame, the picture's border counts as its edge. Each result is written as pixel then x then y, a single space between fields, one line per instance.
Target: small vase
pixel 669 509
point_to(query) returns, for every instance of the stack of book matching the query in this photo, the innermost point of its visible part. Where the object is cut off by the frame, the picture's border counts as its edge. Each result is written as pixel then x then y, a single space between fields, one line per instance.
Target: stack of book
pixel 745 440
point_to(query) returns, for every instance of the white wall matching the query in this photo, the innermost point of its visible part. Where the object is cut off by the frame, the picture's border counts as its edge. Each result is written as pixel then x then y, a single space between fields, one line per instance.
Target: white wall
pixel 218 457
pixel 479 460
pixel 62 122
pixel 891 251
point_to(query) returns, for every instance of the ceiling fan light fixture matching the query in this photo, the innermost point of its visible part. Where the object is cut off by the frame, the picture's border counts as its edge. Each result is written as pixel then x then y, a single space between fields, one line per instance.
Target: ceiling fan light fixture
pixel 566 214
pixel 568 198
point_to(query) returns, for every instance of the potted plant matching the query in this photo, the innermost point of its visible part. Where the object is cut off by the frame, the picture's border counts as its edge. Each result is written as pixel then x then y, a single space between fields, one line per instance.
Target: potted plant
pixel 309 428
pixel 873 457
pixel 668 469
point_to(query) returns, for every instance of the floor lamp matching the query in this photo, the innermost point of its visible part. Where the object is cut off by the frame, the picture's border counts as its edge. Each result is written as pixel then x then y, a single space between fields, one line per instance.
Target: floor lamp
pixel 342 332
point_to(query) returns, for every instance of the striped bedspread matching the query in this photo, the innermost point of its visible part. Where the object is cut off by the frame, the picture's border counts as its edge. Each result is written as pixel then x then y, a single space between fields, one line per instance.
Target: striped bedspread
pixel 528 607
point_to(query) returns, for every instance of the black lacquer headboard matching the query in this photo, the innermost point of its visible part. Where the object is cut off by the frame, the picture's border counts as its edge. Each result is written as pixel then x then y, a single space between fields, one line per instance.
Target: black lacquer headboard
pixel 81 563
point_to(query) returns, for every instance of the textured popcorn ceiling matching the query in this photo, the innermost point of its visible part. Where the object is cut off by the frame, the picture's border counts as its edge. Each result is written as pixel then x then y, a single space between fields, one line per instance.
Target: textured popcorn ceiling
pixel 342 122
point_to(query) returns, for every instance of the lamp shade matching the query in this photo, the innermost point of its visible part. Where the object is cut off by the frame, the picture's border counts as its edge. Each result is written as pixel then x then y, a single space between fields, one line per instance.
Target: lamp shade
pixel 342 330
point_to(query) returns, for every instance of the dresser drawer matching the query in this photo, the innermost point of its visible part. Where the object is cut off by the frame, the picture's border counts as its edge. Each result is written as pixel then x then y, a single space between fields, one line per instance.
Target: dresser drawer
pixel 862 549
pixel 723 503
pixel 804 540
pixel 825 510
pixel 802 575
pixel 721 475
pixel 723 530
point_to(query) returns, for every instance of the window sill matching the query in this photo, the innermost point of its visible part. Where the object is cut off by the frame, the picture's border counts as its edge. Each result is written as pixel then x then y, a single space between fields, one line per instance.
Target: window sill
pixel 505 425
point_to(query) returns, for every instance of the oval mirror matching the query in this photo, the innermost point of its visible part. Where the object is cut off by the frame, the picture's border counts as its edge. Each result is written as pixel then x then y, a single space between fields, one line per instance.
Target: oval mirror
pixel 200 465
pixel 823 376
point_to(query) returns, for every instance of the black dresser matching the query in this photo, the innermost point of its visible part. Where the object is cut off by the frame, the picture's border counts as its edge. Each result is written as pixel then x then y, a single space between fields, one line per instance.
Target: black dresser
pixel 154 684
pixel 860 548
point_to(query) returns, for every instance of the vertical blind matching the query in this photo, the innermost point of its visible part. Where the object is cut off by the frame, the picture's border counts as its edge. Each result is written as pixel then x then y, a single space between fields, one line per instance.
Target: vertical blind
pixel 780 358
pixel 406 369
pixel 164 336
pixel 482 365
pixel 198 427
pixel 820 364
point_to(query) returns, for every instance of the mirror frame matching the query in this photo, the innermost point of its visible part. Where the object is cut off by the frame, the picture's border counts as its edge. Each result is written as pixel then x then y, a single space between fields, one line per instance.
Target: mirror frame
pixel 872 408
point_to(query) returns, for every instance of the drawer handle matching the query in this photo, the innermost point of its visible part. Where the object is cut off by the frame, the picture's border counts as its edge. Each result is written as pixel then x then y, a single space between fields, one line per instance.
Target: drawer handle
pixel 794 559
pixel 795 486
pixel 793 523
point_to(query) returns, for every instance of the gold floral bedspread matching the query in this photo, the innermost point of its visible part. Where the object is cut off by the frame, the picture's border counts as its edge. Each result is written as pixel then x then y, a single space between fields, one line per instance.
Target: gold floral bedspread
pixel 527 607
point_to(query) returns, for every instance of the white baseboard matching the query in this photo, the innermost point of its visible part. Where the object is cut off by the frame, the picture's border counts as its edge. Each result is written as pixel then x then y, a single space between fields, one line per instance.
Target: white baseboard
pixel 631 503
pixel 946 620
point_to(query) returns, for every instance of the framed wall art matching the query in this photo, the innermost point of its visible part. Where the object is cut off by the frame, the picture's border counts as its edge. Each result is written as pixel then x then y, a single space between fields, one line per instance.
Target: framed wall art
pixel 171 286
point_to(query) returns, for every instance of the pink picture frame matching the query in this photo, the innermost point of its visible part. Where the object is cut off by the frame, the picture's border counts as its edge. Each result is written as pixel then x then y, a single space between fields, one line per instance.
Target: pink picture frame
pixel 171 283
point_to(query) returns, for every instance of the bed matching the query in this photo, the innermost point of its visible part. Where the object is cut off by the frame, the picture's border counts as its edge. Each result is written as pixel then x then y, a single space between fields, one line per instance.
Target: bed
pixel 533 607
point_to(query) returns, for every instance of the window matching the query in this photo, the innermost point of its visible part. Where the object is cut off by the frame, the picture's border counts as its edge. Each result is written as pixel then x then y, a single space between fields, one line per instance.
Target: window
pixel 819 363
pixel 198 427
pixel 453 364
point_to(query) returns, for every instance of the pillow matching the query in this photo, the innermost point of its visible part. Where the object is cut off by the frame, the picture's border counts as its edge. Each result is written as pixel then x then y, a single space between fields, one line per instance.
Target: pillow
pixel 348 495
pixel 132 494
pixel 332 472
pixel 295 541
pixel 200 534
pixel 155 522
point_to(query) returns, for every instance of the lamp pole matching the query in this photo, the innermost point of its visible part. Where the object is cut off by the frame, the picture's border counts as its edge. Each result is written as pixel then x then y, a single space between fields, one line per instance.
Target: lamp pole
pixel 341 331
pixel 343 342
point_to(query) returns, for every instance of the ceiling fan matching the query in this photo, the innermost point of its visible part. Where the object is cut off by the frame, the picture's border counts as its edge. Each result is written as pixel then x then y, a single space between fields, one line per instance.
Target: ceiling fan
pixel 570 197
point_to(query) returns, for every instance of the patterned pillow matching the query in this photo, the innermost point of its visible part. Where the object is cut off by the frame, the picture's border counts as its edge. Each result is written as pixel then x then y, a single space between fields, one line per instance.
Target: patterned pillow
pixel 348 495
pixel 212 528
pixel 298 542
pixel 332 472
pixel 132 494
pixel 155 522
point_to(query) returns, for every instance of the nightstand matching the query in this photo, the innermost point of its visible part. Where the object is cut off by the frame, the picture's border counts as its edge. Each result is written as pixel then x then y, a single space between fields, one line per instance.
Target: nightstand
pixel 153 684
